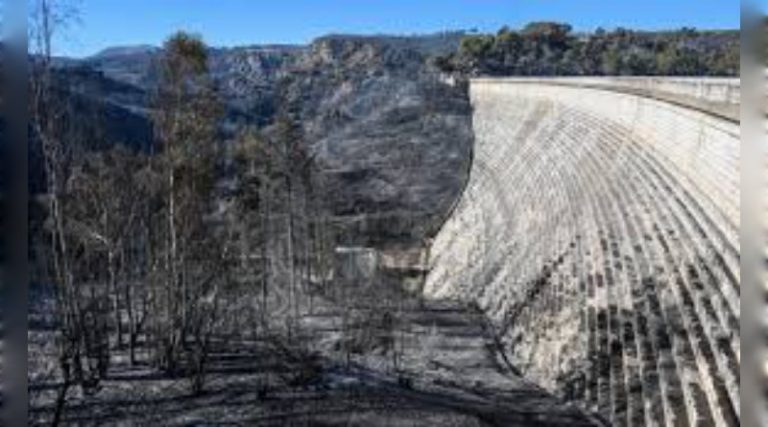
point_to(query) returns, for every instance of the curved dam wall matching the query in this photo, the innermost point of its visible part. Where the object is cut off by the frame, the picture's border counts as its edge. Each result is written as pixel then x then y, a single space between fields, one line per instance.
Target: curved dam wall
pixel 599 233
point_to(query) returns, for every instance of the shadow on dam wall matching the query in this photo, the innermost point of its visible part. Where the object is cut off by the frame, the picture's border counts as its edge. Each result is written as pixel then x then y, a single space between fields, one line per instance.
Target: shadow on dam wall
pixel 599 233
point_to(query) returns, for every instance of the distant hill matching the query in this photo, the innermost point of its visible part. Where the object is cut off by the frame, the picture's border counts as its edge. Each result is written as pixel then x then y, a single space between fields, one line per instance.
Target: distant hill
pixel 125 51
pixel 128 64
pixel 247 76
pixel 393 138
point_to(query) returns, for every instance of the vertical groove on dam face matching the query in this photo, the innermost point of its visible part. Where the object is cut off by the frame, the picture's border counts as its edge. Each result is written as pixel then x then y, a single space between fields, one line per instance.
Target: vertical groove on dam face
pixel 599 233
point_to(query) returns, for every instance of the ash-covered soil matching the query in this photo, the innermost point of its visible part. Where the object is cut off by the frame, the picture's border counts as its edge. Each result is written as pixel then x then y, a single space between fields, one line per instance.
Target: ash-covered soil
pixel 448 372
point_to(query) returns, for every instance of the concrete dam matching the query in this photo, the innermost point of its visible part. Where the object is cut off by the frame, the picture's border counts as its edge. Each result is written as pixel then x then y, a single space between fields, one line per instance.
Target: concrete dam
pixel 599 233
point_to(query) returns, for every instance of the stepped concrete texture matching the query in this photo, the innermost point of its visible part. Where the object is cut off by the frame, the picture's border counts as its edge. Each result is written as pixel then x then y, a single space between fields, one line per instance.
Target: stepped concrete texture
pixel 599 232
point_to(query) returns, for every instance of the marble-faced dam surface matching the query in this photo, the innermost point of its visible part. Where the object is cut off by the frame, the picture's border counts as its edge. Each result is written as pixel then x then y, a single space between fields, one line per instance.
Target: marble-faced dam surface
pixel 599 233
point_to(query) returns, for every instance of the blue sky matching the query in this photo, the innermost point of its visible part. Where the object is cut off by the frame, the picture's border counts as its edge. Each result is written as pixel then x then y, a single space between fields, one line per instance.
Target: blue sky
pixel 104 23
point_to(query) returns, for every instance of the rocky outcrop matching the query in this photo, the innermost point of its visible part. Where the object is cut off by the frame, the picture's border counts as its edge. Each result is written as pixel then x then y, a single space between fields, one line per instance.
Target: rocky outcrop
pixel 599 233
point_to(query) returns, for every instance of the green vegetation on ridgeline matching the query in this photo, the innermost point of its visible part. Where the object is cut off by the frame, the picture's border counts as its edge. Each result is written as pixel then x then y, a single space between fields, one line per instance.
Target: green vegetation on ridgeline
pixel 550 48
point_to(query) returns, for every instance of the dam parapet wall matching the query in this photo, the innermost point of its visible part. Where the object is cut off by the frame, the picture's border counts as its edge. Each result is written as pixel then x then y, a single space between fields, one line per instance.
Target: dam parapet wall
pixel 599 231
pixel 720 96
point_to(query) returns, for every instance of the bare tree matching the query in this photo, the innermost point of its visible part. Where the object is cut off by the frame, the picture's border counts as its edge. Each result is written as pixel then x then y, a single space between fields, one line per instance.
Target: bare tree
pixel 47 110
pixel 255 189
pixel 186 113
pixel 105 207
